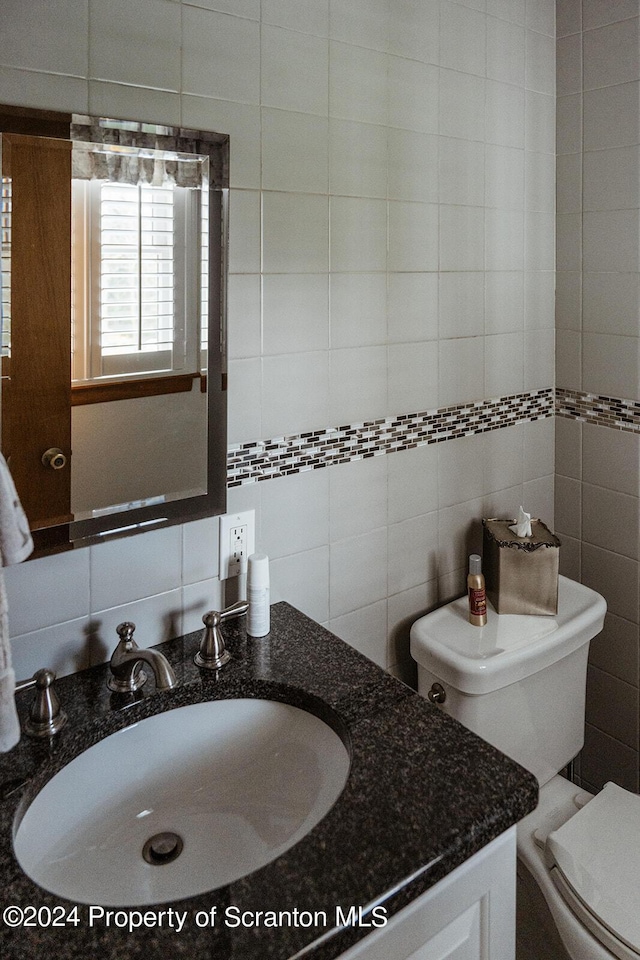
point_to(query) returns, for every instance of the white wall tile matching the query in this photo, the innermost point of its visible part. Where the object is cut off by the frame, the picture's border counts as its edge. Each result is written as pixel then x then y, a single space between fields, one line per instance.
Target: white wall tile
pixel 118 33
pixel 504 177
pixel 62 647
pixel 461 171
pixel 135 567
pixel 461 105
pixel 116 100
pixel 412 306
pixel 47 591
pixel 358 234
pixel 413 158
pixel 239 8
pixel 413 552
pixel 612 298
pixel 504 301
pixel 358 572
pixel 611 116
pixel 363 22
pixel 596 14
pixel 413 237
pixel 414 29
pixel 413 377
pixel 303 580
pixel 358 309
pixel 615 577
pixel 365 630
pixel 358 497
pixel 157 618
pixel 505 51
pixel 220 55
pixel 295 313
pixel 200 550
pixel 539 290
pixel 569 65
pixel 358 84
pixel 460 370
pixel 413 93
pixel 461 298
pixel 504 114
pixel 295 233
pixel 304 403
pixel 244 400
pixel 294 71
pixel 611 365
pixel 540 62
pixel 461 238
pixel 244 231
pixel 611 54
pixel 243 315
pixel 308 16
pixel 40 39
pixel 462 38
pixel 294 152
pixel 49 90
pixel 295 515
pixel 504 364
pixel 413 482
pixel 611 178
pixel 358 385
pixel 569 17
pixel 357 158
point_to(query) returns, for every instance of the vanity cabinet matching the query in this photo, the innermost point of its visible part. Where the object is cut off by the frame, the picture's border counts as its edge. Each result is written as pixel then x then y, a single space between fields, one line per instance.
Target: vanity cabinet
pixel 424 828
pixel 470 915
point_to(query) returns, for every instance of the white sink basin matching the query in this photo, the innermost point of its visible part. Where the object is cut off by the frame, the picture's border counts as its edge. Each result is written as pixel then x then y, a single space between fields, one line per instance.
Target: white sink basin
pixel 237 781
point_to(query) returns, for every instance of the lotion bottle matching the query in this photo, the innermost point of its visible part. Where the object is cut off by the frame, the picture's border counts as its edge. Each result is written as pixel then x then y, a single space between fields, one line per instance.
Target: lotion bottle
pixel 476 591
pixel 258 595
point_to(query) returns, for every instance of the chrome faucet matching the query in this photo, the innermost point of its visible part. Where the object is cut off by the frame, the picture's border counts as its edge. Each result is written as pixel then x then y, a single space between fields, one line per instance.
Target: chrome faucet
pixel 126 662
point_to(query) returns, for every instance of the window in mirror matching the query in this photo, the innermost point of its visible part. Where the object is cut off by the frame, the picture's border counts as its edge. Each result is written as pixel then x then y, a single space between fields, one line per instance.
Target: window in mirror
pixel 139 268
pixel 113 276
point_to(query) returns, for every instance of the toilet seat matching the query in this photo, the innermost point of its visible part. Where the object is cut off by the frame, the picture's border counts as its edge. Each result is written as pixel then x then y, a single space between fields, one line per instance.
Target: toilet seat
pixel 594 861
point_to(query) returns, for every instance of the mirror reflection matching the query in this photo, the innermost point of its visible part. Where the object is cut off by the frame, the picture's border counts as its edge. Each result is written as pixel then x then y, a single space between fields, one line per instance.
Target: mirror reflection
pixel 112 292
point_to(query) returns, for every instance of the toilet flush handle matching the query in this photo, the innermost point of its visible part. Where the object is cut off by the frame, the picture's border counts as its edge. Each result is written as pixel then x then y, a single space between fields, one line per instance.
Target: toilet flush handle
pixel 437 693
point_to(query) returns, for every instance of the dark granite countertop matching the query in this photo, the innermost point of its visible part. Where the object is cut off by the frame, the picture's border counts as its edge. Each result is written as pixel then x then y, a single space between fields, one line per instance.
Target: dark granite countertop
pixel 423 795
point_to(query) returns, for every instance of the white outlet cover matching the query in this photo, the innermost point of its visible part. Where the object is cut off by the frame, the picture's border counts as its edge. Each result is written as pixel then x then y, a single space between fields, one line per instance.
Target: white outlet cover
pixel 227 522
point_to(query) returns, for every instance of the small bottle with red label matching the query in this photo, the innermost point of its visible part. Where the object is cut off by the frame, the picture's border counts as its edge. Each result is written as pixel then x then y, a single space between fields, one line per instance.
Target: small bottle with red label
pixel 477 593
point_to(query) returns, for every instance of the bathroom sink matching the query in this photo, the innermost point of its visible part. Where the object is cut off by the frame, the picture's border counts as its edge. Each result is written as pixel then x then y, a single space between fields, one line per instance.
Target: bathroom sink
pixel 181 803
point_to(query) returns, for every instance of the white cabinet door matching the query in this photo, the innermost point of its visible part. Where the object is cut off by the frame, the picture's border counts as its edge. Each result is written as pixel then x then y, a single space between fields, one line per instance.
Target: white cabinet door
pixel 470 915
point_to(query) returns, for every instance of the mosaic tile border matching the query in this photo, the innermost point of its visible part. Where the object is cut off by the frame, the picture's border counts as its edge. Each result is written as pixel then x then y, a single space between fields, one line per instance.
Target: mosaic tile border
pixel 282 456
pixel 597 409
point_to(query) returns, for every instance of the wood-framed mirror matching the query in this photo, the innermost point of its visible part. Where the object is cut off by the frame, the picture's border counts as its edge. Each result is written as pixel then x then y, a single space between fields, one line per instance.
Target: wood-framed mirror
pixel 113 390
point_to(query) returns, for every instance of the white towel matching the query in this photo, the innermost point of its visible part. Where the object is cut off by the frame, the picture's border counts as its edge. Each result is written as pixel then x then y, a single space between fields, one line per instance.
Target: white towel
pixel 15 545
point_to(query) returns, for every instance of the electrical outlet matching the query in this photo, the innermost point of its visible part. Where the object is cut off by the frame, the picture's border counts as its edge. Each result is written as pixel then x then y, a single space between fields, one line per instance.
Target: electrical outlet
pixel 237 542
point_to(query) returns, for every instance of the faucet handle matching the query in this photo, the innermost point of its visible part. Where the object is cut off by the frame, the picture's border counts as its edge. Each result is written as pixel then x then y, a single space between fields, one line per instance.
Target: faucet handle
pixel 125 632
pixel 235 610
pixel 213 653
pixel 46 717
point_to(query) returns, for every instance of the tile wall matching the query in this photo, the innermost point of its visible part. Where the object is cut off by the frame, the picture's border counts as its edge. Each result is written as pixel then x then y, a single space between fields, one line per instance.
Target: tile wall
pixel 391 253
pixel 598 341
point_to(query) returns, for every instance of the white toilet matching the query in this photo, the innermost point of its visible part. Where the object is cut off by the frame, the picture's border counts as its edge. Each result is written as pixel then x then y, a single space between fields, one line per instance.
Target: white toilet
pixel 519 682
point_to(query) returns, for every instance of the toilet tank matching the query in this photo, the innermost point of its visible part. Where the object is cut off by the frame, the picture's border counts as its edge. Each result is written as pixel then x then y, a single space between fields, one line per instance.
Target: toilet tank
pixel 518 682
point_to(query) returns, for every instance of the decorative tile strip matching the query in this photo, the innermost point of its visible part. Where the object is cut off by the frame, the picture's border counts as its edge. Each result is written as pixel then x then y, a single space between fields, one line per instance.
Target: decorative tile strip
pixel 281 456
pixel 602 411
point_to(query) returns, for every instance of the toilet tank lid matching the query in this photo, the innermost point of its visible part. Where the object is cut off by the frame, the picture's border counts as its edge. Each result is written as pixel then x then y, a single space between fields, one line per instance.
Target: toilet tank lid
pixel 598 853
pixel 478 660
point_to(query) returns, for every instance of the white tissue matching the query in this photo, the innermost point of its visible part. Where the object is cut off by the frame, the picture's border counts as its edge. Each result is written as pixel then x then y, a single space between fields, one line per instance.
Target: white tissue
pixel 522 526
